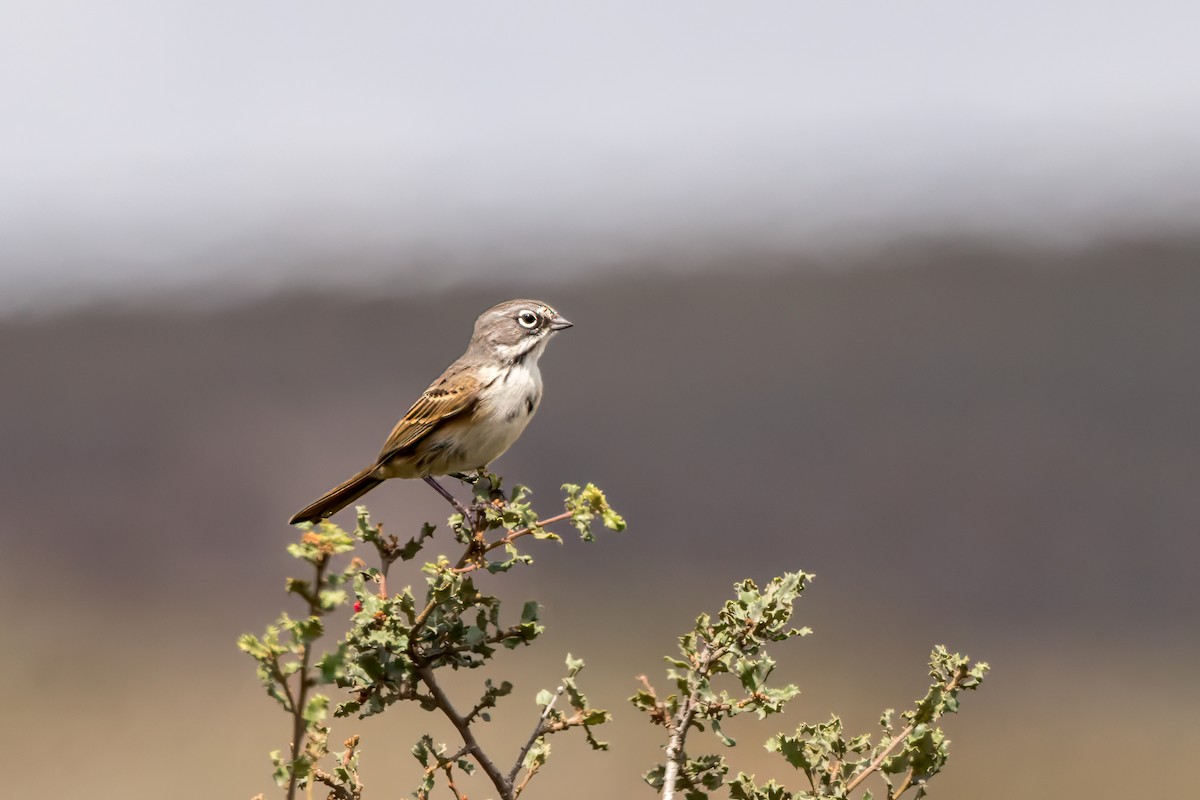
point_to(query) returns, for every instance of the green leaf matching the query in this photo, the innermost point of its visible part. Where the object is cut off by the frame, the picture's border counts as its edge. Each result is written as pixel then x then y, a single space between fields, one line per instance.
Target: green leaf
pixel 537 754
pixel 316 708
pixel 307 630
pixel 585 505
pixel 414 545
pixel 726 740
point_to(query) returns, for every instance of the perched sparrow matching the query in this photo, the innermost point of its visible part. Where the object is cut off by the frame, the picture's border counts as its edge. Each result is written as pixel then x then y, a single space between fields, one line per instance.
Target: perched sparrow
pixel 468 416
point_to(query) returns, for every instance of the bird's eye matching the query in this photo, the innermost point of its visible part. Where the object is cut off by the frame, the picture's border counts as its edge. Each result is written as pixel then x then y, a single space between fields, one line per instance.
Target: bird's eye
pixel 528 319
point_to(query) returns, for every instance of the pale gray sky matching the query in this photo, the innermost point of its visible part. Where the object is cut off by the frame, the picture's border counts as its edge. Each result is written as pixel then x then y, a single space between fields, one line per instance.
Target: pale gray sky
pixel 156 144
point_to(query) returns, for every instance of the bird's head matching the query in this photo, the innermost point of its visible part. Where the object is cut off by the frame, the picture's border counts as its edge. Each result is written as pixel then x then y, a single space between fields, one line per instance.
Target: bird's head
pixel 517 329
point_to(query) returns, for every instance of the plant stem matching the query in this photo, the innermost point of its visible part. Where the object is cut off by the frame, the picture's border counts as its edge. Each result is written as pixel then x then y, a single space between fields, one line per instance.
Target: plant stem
pixel 298 723
pixel 675 745
pixel 533 737
pixel 509 538
pixel 687 713
pixel 464 730
pixel 476 548
pixel 896 742
pixel 450 783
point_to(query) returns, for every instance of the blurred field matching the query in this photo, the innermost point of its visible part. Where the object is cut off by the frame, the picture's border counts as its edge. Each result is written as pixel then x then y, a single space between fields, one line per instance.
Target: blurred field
pixel 995 449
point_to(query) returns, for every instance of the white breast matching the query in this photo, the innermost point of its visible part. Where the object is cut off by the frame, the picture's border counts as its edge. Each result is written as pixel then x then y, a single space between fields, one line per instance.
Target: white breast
pixel 505 408
pixel 507 401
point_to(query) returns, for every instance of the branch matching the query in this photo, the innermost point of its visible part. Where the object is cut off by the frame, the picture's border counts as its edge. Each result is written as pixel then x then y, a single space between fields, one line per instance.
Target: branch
pixel 896 742
pixel 513 536
pixel 687 713
pixel 442 762
pixel 299 726
pixel 484 704
pixel 450 782
pixel 685 718
pixel 464 730
pixel 282 680
pixel 904 784
pixel 538 730
pixel 440 699
pixel 495 638
pixel 473 548
pixel 524 782
pixel 336 789
pixel 475 523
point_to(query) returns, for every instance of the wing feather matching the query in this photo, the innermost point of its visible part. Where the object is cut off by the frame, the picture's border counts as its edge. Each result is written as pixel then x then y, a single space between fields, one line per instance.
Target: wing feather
pixel 449 397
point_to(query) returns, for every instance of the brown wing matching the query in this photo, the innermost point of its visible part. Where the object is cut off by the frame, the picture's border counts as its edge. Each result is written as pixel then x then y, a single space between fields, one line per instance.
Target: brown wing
pixel 449 396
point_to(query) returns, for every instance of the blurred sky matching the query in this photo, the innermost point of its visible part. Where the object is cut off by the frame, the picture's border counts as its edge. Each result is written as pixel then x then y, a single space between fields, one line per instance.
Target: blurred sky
pixel 239 146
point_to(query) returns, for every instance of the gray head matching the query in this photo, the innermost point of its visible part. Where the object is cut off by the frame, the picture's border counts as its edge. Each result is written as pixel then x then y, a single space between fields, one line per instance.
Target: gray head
pixel 516 330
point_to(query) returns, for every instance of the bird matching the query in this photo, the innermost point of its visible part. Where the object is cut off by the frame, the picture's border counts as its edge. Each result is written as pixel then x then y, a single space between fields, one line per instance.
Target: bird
pixel 470 415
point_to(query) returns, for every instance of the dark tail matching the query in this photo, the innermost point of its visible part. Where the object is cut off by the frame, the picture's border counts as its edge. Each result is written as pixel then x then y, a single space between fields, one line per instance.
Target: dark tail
pixel 338 498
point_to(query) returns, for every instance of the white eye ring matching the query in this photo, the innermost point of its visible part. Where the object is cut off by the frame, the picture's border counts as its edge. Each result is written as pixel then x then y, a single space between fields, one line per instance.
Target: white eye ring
pixel 527 319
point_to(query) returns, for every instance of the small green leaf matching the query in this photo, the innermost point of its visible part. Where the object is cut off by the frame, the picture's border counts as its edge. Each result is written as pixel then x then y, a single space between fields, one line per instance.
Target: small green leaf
pixel 315 708
pixel 726 740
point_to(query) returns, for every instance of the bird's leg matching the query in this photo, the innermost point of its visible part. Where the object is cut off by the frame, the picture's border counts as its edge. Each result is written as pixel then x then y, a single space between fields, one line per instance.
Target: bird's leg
pixel 474 522
pixel 449 498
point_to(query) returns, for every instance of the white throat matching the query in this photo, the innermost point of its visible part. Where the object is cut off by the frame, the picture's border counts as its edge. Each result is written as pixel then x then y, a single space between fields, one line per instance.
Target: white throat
pixel 518 356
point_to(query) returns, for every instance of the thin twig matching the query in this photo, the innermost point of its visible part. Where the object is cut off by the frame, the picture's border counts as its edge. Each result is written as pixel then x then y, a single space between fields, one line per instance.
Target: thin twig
pixel 338 791
pixel 541 525
pixel 450 783
pixel 904 784
pixel 421 618
pixel 808 774
pixel 524 782
pixel 484 704
pixel 298 722
pixel 675 744
pixel 277 671
pixel 475 551
pixel 473 559
pixel 684 719
pixel 464 730
pixel 679 732
pixel 896 742
pixel 494 638
pixel 874 765
pixel 462 751
pixel 538 730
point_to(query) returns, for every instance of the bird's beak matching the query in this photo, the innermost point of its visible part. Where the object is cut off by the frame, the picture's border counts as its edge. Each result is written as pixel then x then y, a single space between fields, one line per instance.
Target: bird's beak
pixel 560 323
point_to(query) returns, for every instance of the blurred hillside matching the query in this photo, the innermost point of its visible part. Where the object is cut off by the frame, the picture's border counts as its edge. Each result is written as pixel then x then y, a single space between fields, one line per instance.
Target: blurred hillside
pixel 993 448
